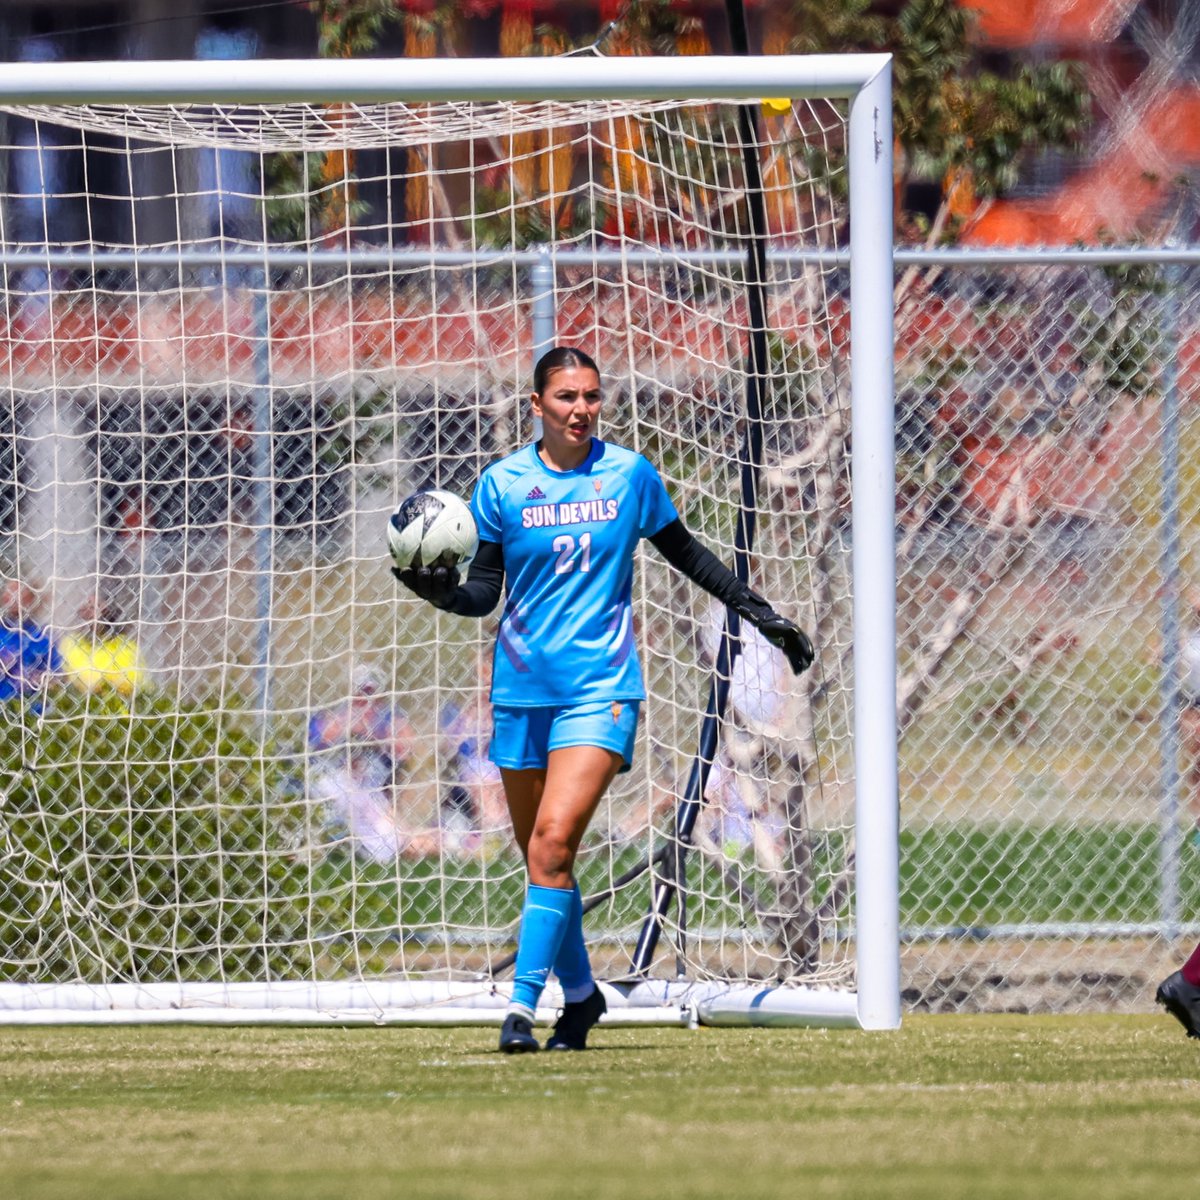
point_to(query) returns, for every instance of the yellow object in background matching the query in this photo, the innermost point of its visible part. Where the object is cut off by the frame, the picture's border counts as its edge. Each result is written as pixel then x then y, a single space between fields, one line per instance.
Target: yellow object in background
pixel 777 104
pixel 109 662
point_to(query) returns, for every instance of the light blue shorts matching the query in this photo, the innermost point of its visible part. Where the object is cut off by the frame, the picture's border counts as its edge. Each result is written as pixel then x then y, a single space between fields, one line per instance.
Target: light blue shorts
pixel 522 738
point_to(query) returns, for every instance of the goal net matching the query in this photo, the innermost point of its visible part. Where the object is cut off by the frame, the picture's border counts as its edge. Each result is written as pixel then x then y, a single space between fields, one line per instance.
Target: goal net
pixel 244 773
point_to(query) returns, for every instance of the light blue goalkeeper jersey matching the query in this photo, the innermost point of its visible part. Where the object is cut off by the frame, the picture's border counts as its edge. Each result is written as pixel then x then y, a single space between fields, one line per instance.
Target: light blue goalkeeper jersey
pixel 566 636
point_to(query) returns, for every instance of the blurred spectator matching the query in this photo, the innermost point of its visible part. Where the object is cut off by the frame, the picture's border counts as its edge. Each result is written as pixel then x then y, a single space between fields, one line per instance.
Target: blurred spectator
pixel 370 724
pixel 737 798
pixel 361 749
pixel 473 810
pixel 737 809
pixel 736 813
pixel 103 653
pixel 27 654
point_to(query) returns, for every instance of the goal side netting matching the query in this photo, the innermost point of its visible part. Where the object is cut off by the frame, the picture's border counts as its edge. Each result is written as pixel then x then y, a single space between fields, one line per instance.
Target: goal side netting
pixel 243 775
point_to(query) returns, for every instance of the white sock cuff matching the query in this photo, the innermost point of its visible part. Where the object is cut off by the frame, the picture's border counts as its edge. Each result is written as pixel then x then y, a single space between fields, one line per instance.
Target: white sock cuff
pixel 520 1010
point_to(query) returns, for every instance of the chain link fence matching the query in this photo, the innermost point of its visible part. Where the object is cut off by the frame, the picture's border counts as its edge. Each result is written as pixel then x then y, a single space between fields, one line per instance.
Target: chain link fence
pixel 220 453
pixel 1048 518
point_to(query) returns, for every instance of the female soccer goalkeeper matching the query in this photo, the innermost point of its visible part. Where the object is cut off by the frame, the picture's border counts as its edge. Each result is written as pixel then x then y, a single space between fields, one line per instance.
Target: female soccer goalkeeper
pixel 559 522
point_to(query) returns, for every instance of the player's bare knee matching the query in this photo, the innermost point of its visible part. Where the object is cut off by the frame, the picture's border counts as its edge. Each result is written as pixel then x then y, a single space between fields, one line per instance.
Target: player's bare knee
pixel 549 858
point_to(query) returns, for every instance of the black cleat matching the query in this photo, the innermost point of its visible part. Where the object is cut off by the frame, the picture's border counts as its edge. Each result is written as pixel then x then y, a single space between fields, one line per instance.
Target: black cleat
pixel 516 1035
pixel 1182 1000
pixel 571 1028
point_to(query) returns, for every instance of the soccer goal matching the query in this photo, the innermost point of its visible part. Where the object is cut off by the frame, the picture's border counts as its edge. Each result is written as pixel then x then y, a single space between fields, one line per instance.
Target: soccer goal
pixel 248 306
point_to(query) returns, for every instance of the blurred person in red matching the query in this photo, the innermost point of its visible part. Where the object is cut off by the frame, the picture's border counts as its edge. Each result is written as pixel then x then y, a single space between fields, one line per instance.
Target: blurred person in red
pixel 1179 994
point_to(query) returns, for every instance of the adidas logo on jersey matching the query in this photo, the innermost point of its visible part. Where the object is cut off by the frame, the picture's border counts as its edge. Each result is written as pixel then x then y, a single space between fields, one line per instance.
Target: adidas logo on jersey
pixel 536 494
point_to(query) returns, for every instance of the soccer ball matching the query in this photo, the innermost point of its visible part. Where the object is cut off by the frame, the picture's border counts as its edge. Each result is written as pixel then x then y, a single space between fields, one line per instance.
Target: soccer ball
pixel 432 529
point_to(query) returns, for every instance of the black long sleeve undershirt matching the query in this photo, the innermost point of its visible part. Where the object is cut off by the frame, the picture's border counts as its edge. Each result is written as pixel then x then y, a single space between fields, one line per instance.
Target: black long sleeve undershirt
pixel 478 596
pixel 484 583
pixel 695 560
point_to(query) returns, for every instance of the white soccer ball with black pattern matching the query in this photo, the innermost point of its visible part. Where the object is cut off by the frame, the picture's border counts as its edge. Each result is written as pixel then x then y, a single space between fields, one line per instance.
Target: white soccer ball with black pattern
pixel 432 529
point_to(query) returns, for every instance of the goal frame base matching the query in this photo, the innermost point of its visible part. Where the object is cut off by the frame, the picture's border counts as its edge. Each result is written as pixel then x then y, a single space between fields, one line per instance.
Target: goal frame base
pixel 648 1002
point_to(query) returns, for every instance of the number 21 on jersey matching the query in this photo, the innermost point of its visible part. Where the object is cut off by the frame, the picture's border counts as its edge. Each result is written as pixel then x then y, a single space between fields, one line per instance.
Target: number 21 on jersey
pixel 564 547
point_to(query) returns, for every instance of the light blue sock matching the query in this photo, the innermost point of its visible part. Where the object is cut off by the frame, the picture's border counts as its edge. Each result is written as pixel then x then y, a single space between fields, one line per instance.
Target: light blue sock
pixel 547 911
pixel 571 965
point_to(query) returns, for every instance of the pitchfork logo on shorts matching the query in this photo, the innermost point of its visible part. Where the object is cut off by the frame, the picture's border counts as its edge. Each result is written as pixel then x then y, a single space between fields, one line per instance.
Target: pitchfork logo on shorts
pixel 536 494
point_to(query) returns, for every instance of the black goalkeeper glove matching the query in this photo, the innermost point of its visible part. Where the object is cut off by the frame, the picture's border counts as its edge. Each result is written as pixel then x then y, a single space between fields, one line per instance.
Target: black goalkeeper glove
pixel 779 631
pixel 435 584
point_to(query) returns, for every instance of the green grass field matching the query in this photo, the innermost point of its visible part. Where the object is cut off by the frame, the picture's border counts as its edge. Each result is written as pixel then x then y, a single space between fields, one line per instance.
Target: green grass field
pixel 984 1106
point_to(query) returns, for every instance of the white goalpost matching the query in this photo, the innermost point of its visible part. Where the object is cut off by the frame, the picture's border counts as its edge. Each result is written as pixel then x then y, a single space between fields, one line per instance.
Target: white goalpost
pixel 246 306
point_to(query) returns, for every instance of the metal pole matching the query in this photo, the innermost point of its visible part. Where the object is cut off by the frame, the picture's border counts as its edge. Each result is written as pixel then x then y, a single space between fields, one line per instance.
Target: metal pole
pixel 541 287
pixel 263 490
pixel 383 80
pixel 873 558
pixel 1168 824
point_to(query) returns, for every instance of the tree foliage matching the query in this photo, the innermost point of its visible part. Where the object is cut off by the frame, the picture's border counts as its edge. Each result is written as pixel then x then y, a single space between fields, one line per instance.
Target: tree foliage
pixel 348 28
pixel 310 196
pixel 956 121
pixel 652 27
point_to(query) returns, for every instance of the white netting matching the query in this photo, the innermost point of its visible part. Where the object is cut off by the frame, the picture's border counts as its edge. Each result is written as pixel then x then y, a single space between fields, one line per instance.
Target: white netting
pixel 199 452
pixel 298 127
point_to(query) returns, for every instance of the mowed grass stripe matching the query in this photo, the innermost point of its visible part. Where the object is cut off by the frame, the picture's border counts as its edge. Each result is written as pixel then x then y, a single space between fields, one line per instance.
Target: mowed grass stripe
pixel 983 1105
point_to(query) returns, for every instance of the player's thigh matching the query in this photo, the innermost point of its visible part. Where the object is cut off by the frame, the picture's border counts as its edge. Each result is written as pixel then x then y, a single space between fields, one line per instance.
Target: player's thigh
pixel 523 793
pixel 559 801
pixel 576 779
pixel 589 743
pixel 557 762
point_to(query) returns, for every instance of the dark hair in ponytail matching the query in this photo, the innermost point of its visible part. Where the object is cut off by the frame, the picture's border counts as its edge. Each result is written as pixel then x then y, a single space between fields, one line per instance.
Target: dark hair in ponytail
pixel 558 359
